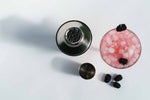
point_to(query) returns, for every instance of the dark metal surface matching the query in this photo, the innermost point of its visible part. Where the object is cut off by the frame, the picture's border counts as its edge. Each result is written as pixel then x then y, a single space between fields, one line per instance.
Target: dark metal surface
pixel 73 38
pixel 87 71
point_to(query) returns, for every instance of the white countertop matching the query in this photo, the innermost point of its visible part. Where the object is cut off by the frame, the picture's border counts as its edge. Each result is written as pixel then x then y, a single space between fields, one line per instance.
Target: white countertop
pixel 33 68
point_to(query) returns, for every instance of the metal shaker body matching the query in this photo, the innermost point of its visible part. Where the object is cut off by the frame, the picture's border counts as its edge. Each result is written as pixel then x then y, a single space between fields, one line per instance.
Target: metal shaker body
pixel 73 38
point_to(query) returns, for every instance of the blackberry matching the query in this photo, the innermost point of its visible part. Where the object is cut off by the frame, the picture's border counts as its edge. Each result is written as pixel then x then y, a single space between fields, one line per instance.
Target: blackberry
pixel 116 85
pixel 121 27
pixel 107 78
pixel 118 78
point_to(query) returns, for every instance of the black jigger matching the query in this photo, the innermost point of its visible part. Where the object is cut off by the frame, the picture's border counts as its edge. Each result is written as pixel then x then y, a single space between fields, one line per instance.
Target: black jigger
pixel 87 71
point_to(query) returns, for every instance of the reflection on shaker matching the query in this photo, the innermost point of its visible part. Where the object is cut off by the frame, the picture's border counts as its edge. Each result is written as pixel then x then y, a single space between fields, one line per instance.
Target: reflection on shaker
pixel 73 38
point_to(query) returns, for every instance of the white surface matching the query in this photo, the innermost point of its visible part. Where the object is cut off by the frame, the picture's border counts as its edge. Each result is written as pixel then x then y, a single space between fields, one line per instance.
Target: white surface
pixel 32 68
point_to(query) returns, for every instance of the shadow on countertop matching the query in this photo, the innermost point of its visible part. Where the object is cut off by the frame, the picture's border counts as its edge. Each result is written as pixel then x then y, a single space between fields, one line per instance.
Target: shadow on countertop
pixel 41 36
pixel 65 66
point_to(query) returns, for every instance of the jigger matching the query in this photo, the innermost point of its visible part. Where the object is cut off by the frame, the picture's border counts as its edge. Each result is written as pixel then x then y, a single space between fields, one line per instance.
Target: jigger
pixel 87 71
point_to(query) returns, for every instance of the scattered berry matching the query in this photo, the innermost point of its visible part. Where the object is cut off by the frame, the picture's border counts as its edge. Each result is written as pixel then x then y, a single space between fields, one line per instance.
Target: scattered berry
pixel 116 85
pixel 118 78
pixel 107 78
